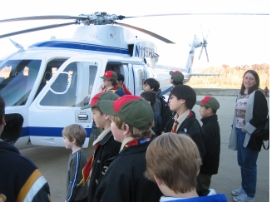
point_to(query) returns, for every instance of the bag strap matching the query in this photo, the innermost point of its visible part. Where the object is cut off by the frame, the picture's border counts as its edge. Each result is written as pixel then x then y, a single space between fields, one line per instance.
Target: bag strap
pixel 265 146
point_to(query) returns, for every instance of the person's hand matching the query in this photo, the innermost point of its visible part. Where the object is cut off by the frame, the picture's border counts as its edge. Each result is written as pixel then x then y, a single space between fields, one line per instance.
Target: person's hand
pixel 244 130
pixel 100 89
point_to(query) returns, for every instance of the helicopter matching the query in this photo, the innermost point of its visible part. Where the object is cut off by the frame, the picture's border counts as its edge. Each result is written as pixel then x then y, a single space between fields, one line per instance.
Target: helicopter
pixel 45 85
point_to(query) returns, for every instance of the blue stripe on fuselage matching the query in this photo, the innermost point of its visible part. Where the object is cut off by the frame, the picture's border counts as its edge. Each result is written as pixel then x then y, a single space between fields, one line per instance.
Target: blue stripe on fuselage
pixel 46 132
pixel 80 46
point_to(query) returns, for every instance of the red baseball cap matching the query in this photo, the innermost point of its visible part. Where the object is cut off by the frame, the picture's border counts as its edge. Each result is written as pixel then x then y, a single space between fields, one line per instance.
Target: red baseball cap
pixel 100 96
pixel 209 102
pixel 109 75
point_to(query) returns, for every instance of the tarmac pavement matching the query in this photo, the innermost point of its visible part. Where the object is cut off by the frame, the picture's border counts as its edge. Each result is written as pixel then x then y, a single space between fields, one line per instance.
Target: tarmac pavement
pixel 52 161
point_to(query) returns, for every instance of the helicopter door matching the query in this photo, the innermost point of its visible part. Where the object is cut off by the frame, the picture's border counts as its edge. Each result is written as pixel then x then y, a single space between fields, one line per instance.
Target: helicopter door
pixel 139 76
pixel 60 101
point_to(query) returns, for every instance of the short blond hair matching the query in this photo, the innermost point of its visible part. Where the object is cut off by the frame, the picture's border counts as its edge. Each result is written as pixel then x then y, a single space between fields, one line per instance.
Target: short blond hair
pixel 135 132
pixel 174 159
pixel 75 131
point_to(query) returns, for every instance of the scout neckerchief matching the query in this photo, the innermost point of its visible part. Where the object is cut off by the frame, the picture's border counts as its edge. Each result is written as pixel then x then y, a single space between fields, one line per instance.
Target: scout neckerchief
pixel 89 165
pixel 178 120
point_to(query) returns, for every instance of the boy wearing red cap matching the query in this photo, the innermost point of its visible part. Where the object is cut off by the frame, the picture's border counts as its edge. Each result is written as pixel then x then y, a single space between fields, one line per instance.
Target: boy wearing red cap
pixel 110 82
pixel 177 78
pixel 209 106
pixel 105 146
pixel 132 119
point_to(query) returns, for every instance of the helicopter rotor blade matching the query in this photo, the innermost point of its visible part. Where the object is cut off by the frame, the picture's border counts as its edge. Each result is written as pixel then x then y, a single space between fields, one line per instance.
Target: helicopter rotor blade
pixel 206 54
pixel 37 29
pixel 146 32
pixel 201 53
pixel 173 14
pixel 45 17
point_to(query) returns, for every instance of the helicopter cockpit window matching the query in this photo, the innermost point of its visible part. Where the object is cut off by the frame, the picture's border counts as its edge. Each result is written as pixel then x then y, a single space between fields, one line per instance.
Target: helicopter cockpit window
pixel 17 78
pixel 72 86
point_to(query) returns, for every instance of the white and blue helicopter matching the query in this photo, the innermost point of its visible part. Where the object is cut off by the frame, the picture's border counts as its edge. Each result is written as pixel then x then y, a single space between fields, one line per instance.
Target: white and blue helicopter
pixel 45 85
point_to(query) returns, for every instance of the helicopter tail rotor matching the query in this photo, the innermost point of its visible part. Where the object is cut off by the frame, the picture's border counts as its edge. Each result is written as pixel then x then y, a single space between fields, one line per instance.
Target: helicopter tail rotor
pixel 204 45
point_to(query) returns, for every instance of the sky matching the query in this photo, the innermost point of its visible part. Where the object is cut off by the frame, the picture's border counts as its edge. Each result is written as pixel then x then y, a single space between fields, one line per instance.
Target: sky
pixel 232 40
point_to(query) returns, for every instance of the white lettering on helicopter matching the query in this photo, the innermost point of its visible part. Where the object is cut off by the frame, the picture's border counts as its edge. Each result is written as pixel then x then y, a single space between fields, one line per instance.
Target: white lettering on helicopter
pixel 144 52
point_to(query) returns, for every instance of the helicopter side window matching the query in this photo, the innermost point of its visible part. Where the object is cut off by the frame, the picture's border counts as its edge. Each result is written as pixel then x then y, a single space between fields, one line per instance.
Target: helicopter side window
pixel 51 68
pixel 72 87
pixel 63 90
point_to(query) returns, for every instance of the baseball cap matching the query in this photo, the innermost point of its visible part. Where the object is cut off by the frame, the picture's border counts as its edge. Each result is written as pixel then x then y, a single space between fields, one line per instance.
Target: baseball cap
pixel 100 96
pixel 177 76
pixel 109 75
pixel 131 109
pixel 209 102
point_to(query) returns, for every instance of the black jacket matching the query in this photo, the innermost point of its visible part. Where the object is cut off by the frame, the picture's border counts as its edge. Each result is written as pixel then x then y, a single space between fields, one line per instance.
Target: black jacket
pixel 125 181
pixel 211 139
pixel 15 171
pixel 192 127
pixel 106 149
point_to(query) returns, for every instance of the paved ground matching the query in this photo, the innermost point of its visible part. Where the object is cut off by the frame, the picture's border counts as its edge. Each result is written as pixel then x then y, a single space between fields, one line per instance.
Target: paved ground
pixel 53 161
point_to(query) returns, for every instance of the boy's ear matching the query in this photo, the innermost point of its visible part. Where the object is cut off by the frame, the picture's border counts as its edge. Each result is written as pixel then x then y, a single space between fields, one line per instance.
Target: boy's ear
pixel 73 140
pixel 107 116
pixel 3 120
pixel 158 181
pixel 126 130
pixel 210 110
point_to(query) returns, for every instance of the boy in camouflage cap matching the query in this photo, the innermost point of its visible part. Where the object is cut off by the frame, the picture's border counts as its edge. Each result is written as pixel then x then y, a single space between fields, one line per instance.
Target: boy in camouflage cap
pixel 105 146
pixel 209 106
pixel 132 119
pixel 177 78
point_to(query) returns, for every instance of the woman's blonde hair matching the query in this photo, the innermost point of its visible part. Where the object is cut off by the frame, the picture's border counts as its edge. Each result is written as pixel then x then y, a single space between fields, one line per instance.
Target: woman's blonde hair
pixel 135 132
pixel 174 159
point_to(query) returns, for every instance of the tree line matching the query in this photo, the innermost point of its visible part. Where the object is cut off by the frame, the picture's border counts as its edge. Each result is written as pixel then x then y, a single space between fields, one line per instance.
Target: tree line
pixel 229 77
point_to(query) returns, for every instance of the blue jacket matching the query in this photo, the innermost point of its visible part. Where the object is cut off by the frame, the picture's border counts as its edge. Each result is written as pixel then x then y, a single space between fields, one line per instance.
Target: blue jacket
pixel 212 198
pixel 17 173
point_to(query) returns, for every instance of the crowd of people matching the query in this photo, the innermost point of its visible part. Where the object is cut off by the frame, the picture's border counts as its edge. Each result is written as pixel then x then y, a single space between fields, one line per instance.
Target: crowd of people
pixel 139 158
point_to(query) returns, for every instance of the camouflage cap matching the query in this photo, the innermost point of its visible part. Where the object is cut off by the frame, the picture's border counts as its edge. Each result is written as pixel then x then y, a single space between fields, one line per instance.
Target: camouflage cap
pixel 131 109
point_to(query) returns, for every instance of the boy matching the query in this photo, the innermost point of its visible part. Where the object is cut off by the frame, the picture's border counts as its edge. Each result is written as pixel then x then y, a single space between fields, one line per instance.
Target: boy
pixel 181 101
pixel 150 97
pixel 152 84
pixel 209 106
pixel 120 82
pixel 109 81
pixel 18 174
pixel 105 146
pixel 132 119
pixel 173 162
pixel 177 78
pixel 74 137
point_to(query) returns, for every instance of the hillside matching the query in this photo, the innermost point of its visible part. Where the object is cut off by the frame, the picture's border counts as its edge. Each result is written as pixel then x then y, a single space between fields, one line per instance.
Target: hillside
pixel 229 77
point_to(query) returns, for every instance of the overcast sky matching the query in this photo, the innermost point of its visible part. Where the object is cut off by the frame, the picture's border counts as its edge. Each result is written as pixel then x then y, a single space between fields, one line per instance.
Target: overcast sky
pixel 232 39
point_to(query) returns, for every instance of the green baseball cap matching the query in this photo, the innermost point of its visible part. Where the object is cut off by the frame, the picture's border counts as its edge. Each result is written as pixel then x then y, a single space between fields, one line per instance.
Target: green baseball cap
pixel 209 102
pixel 100 96
pixel 177 76
pixel 131 109
pixel 109 75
